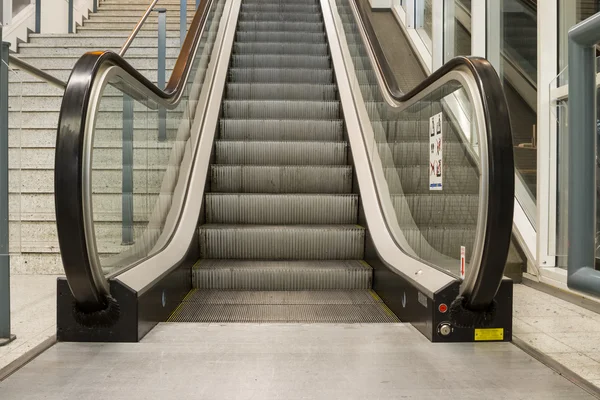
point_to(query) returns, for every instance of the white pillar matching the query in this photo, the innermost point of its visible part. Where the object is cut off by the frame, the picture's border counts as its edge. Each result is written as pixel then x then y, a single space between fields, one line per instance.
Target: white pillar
pixel 55 16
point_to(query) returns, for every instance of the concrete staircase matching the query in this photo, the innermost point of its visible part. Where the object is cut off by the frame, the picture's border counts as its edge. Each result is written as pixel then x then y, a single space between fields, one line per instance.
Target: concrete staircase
pixel 33 118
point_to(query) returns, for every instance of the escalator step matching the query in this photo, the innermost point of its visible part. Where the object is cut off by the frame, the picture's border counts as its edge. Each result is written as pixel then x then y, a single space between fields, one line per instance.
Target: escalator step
pixel 281 275
pixel 281 153
pixel 280 61
pixel 285 37
pixel 279 16
pixel 286 75
pixel 306 297
pixel 282 209
pixel 314 49
pixel 268 109
pixel 281 7
pixel 311 2
pixel 236 129
pixel 281 179
pixel 280 91
pixel 280 26
pixel 282 242
pixel 285 313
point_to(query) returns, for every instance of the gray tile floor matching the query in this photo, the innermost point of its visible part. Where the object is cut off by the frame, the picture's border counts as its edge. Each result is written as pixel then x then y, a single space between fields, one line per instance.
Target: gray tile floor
pixel 286 361
pixel 33 314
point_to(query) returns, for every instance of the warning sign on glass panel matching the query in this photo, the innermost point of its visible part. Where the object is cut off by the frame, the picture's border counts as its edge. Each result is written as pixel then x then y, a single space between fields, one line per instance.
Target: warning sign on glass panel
pixel 435 152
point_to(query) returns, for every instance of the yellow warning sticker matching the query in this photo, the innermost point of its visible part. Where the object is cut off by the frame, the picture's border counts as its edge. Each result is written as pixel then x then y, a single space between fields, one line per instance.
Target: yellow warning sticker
pixel 489 334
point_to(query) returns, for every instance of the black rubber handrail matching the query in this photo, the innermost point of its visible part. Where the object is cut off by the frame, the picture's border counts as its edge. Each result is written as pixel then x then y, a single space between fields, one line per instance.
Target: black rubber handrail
pixel 500 157
pixel 89 294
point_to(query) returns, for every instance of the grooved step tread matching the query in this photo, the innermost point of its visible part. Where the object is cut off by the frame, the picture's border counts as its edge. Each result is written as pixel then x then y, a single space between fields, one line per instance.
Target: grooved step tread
pixel 281 275
pixel 281 209
pixel 348 306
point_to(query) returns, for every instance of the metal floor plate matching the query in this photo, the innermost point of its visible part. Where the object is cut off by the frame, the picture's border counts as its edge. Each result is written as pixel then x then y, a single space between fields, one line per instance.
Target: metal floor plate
pixel 352 306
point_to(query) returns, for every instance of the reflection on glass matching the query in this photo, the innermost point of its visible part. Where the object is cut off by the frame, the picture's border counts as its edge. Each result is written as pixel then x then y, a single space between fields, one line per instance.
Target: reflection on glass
pixel 423 18
pixel 430 160
pixel 138 148
pixel 458 38
pixel 516 41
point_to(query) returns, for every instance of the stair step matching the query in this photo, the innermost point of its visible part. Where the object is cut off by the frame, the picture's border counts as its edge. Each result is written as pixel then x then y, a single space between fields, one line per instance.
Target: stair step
pixel 281 153
pixel 286 37
pixel 239 129
pixel 273 61
pixel 281 275
pixel 279 26
pixel 276 75
pixel 287 242
pixel 271 209
pixel 288 109
pixel 279 16
pixel 281 179
pixel 314 49
pixel 280 91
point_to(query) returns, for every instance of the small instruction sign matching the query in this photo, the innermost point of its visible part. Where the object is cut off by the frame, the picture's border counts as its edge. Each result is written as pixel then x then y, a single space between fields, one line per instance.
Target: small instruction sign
pixel 435 152
pixel 462 261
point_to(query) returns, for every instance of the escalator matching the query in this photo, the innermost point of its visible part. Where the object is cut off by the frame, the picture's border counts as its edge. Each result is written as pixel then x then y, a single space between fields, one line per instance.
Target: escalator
pixel 294 183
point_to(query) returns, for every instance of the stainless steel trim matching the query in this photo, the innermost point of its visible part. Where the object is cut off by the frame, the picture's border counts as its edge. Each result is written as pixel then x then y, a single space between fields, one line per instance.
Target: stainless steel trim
pixel 16 62
pixel 466 81
pixel 146 272
pixel 137 28
pixel 370 172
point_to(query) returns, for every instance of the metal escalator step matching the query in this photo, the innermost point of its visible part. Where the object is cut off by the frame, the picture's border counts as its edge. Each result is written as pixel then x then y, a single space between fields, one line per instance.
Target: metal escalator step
pixel 281 179
pixel 239 129
pixel 281 7
pixel 271 209
pixel 280 61
pixel 297 297
pixel 283 75
pixel 267 109
pixel 284 313
pixel 281 275
pixel 286 37
pixel 279 26
pixel 415 179
pixel 282 242
pixel 279 16
pixel 315 49
pixel 280 91
pixel 281 153
pixel 436 208
pixel 312 2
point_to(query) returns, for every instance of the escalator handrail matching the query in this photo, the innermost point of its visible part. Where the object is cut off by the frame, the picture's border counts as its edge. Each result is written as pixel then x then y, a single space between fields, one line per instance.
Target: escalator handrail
pixel 484 284
pixel 87 282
